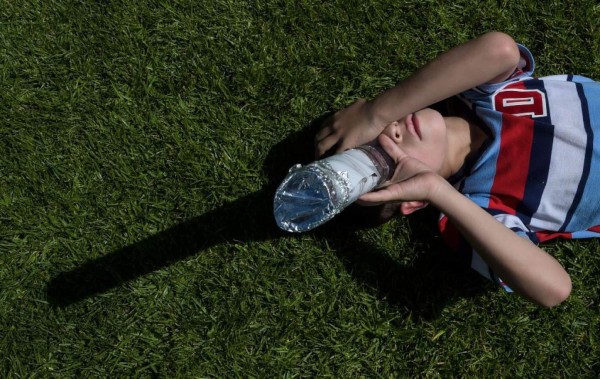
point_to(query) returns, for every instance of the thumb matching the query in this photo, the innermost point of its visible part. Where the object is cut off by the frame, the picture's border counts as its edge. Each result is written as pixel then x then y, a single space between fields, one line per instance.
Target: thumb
pixel 391 148
pixel 406 166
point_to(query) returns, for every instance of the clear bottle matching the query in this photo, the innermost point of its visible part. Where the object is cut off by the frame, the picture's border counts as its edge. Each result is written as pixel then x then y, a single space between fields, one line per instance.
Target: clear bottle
pixel 313 194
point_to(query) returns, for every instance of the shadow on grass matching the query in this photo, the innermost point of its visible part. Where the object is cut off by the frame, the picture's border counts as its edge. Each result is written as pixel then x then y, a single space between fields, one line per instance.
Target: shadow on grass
pixel 433 279
pixel 423 288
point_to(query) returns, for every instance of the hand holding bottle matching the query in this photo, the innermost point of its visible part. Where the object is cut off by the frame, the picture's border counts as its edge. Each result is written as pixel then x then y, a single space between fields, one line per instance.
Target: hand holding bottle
pixel 348 128
pixel 412 179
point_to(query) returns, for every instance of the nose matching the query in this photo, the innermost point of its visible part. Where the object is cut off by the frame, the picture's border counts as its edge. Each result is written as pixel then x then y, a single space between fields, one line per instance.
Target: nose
pixel 393 131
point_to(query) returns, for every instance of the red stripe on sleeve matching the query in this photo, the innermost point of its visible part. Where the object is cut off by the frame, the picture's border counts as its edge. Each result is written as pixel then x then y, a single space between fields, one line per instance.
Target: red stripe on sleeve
pixel 547 236
pixel 595 229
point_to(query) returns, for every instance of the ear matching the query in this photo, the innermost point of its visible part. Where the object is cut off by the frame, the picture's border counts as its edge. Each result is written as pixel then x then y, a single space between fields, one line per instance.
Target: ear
pixel 409 207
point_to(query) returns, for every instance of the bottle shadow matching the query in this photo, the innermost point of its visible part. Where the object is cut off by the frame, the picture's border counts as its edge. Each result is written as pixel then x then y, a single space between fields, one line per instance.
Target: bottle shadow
pixel 422 288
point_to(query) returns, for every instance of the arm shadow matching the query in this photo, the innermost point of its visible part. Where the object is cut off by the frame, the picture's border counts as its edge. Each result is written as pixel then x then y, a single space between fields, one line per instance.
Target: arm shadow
pixel 434 279
pixel 422 288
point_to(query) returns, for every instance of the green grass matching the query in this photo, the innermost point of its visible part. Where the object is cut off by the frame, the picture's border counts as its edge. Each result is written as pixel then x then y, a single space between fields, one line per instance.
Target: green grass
pixel 140 142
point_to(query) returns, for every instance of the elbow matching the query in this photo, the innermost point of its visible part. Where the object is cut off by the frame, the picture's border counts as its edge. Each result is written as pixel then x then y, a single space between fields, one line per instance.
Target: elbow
pixel 557 293
pixel 503 50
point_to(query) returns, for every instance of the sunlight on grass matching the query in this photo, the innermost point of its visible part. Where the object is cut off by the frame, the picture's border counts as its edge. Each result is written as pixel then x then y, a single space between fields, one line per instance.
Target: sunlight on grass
pixel 140 144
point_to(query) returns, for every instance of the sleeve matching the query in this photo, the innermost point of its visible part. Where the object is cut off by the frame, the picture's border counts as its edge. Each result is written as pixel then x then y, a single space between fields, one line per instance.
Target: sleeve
pixel 569 78
pixel 469 256
pixel 524 70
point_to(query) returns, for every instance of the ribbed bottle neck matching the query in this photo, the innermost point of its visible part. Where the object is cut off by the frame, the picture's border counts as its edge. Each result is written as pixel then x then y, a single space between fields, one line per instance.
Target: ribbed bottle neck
pixel 383 161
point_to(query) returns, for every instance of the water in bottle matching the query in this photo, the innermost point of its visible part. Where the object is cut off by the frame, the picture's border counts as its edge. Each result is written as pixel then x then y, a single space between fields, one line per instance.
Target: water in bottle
pixel 313 194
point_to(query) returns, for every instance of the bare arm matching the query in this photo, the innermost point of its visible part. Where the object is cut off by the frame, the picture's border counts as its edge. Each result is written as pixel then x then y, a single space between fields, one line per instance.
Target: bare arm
pixel 526 268
pixel 489 58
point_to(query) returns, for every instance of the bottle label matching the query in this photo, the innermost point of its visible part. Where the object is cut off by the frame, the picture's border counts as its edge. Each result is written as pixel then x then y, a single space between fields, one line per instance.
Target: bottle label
pixel 356 173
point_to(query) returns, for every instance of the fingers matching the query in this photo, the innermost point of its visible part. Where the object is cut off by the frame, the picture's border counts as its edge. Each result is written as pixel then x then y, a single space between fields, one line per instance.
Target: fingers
pixel 326 137
pixel 379 197
pixel 325 130
pixel 345 129
pixel 325 145
pixel 362 203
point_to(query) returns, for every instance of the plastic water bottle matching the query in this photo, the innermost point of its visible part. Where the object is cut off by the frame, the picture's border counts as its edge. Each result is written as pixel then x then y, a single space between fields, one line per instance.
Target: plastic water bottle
pixel 313 194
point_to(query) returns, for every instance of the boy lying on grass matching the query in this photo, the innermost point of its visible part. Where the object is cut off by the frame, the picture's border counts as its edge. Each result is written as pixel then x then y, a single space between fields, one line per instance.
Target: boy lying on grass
pixel 519 167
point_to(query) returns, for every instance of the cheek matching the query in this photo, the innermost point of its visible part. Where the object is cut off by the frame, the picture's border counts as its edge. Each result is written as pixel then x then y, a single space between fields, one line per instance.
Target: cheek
pixel 422 155
pixel 433 156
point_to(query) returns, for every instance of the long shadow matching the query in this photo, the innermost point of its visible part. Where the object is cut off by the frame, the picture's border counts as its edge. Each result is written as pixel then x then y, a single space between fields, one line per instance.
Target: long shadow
pixel 165 248
pixel 249 218
pixel 422 288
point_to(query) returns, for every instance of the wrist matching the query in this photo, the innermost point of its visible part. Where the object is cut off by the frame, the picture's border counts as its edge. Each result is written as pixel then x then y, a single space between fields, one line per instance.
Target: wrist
pixel 374 116
pixel 439 191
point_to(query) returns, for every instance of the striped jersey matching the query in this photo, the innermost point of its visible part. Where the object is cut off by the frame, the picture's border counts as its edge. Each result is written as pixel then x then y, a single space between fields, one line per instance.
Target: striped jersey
pixel 539 171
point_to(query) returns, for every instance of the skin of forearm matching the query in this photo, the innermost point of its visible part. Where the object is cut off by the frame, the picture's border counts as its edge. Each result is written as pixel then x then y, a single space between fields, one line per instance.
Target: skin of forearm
pixel 526 268
pixel 489 58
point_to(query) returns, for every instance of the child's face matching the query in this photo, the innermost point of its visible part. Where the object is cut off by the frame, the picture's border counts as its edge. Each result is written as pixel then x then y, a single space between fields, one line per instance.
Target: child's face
pixel 421 135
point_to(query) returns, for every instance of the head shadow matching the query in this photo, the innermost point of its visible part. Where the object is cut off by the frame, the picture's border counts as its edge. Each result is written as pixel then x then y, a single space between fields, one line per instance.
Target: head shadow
pixel 249 218
pixel 434 278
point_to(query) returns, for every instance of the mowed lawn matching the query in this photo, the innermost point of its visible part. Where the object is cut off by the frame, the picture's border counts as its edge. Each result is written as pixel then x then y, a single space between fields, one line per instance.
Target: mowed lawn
pixel 140 143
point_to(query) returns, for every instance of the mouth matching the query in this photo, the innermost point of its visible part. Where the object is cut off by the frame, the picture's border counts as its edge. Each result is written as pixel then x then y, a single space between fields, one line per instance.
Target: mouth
pixel 412 124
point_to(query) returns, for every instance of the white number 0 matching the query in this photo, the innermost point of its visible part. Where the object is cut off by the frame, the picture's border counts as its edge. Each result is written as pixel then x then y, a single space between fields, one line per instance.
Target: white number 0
pixel 521 102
